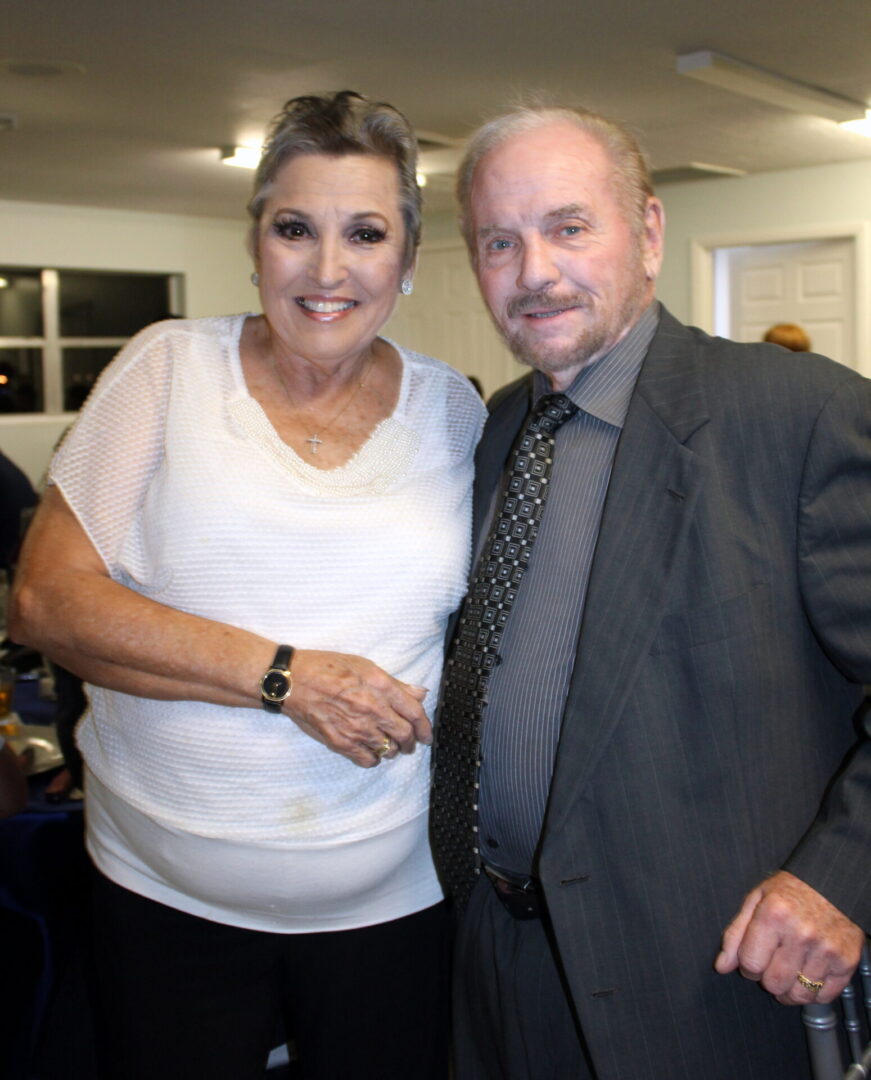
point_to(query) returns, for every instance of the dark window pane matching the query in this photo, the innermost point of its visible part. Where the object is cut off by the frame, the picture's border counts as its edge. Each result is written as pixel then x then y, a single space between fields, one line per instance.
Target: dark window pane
pixel 110 305
pixel 20 303
pixel 80 370
pixel 20 380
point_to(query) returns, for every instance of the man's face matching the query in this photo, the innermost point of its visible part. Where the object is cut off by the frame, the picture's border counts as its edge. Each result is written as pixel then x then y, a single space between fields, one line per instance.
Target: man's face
pixel 564 273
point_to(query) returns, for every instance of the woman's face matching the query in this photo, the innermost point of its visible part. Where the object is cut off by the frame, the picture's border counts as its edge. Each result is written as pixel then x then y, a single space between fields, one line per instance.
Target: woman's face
pixel 329 254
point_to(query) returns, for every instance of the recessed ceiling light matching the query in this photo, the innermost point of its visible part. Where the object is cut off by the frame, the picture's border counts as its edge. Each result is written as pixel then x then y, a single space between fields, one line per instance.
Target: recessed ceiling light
pixel 859 127
pixel 241 157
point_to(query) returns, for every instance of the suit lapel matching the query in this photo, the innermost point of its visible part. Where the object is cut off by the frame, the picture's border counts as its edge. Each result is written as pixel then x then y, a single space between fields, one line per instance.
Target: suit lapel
pixel 651 497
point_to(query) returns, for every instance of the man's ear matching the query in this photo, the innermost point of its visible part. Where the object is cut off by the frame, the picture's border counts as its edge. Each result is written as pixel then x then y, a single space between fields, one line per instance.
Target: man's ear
pixel 653 237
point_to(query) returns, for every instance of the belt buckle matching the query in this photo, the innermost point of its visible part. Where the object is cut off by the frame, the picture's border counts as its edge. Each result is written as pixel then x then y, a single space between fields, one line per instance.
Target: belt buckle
pixel 520 901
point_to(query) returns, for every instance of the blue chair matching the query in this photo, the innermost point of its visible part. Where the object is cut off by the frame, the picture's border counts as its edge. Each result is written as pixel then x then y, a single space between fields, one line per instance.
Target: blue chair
pixel 830 1027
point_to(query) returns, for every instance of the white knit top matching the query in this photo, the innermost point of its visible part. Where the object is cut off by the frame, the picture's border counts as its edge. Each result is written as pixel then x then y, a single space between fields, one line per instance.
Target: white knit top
pixel 190 498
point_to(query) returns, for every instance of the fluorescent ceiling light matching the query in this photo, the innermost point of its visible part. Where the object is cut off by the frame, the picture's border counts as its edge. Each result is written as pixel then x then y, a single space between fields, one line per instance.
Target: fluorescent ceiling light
pixel 859 127
pixel 716 170
pixel 754 82
pixel 694 170
pixel 241 157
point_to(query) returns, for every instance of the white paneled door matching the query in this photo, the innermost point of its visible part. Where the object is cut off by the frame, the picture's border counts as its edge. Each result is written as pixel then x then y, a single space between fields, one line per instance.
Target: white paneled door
pixel 445 317
pixel 809 283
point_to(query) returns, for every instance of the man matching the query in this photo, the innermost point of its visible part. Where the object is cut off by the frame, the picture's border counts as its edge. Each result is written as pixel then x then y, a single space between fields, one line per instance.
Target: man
pixel 648 717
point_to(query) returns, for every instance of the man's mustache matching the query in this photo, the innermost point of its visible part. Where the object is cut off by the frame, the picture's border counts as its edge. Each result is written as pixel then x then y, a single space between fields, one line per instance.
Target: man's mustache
pixel 522 305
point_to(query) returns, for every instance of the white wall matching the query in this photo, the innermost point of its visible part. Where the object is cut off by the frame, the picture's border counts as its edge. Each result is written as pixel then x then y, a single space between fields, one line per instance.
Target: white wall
pixel 446 316
pixel 819 197
pixel 441 228
pixel 209 252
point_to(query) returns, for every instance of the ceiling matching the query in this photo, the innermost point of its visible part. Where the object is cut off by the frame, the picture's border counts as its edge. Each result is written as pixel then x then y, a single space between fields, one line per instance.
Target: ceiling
pixel 149 91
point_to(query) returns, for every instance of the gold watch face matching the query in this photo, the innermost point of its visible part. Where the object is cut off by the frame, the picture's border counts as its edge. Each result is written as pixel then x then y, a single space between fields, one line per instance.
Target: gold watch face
pixel 275 684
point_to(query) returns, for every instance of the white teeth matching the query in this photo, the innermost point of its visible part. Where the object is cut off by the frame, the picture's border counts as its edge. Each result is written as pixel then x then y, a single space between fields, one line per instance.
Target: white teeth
pixel 325 307
pixel 546 314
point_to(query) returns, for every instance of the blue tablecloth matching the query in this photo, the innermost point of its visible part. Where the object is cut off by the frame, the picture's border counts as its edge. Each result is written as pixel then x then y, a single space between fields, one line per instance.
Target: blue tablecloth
pixel 43 875
pixel 28 704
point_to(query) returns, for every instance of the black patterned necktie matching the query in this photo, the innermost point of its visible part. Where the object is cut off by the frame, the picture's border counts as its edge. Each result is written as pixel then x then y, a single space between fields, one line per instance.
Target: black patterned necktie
pixel 474 651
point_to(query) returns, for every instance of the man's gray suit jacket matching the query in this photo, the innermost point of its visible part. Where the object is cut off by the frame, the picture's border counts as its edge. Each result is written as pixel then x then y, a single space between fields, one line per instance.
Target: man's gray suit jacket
pixel 711 733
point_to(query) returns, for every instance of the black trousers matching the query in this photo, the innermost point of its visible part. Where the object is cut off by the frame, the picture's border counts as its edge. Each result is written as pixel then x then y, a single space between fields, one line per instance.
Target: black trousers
pixel 178 997
pixel 513 1019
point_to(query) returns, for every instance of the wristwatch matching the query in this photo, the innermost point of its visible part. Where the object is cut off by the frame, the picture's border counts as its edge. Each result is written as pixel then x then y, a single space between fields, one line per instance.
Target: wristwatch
pixel 277 682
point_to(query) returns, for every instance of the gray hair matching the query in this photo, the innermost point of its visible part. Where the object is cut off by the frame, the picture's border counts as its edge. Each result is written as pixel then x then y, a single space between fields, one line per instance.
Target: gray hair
pixel 340 124
pixel 631 172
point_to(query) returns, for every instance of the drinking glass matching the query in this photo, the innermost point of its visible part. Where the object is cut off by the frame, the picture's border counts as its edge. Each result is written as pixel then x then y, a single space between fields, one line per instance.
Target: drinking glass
pixel 8 725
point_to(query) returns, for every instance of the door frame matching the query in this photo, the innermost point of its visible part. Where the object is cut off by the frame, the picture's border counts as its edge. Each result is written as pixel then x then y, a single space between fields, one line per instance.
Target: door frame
pixel 702 250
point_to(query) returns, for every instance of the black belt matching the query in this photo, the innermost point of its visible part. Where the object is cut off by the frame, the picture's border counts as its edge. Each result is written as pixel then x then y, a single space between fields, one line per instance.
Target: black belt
pixel 520 896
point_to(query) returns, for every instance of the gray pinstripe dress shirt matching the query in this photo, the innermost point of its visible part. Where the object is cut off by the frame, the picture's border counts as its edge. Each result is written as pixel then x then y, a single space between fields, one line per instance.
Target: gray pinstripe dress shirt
pixel 528 689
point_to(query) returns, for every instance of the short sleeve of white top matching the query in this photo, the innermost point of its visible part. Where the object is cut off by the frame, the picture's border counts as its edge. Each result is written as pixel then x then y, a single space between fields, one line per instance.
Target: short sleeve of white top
pixel 190 498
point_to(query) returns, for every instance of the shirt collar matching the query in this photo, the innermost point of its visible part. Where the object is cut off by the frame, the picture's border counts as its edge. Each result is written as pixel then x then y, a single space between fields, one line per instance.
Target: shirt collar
pixel 604 388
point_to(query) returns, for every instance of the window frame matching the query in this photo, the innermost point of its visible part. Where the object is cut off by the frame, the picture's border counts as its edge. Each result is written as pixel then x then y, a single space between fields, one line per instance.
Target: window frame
pixel 52 345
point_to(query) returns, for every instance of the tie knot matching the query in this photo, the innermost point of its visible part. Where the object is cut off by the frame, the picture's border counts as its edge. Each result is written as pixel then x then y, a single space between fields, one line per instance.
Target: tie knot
pixel 550 412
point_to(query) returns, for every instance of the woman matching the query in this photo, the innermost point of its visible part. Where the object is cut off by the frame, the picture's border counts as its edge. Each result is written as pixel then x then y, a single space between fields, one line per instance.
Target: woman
pixel 255 536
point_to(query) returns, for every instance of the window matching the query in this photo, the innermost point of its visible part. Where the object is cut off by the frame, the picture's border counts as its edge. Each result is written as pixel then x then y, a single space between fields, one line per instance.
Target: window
pixel 59 329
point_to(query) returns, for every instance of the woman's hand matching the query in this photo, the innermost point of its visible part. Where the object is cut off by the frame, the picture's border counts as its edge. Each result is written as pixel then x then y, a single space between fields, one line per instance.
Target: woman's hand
pixel 351 706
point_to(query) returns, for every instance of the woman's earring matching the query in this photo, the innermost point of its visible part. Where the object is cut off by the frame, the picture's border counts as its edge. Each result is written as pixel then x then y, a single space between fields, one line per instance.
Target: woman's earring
pixel 407 286
pixel 255 278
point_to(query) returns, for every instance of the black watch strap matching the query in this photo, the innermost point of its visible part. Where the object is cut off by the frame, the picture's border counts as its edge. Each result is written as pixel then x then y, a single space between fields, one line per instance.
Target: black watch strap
pixel 277 682
pixel 283 657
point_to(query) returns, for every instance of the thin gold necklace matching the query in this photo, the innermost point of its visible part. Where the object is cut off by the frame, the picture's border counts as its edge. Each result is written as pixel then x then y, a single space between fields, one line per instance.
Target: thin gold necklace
pixel 314 440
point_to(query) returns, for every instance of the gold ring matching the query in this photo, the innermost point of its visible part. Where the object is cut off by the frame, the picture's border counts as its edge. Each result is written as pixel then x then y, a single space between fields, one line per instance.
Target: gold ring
pixel 384 749
pixel 809 984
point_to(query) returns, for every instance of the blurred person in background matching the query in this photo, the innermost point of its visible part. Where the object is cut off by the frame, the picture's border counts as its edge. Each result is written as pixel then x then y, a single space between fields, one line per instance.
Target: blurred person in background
pixel 789 335
pixel 17 499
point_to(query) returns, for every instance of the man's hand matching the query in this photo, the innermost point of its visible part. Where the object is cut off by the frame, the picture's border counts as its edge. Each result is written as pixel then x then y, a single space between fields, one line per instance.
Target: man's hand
pixel 785 927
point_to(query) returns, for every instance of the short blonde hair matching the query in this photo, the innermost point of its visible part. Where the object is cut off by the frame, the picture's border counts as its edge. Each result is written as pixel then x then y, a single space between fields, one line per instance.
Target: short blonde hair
pixel 790 336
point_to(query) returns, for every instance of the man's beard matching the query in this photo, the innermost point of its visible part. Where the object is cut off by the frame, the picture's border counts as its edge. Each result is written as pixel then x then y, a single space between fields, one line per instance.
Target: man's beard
pixel 601 332
pixel 549 359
